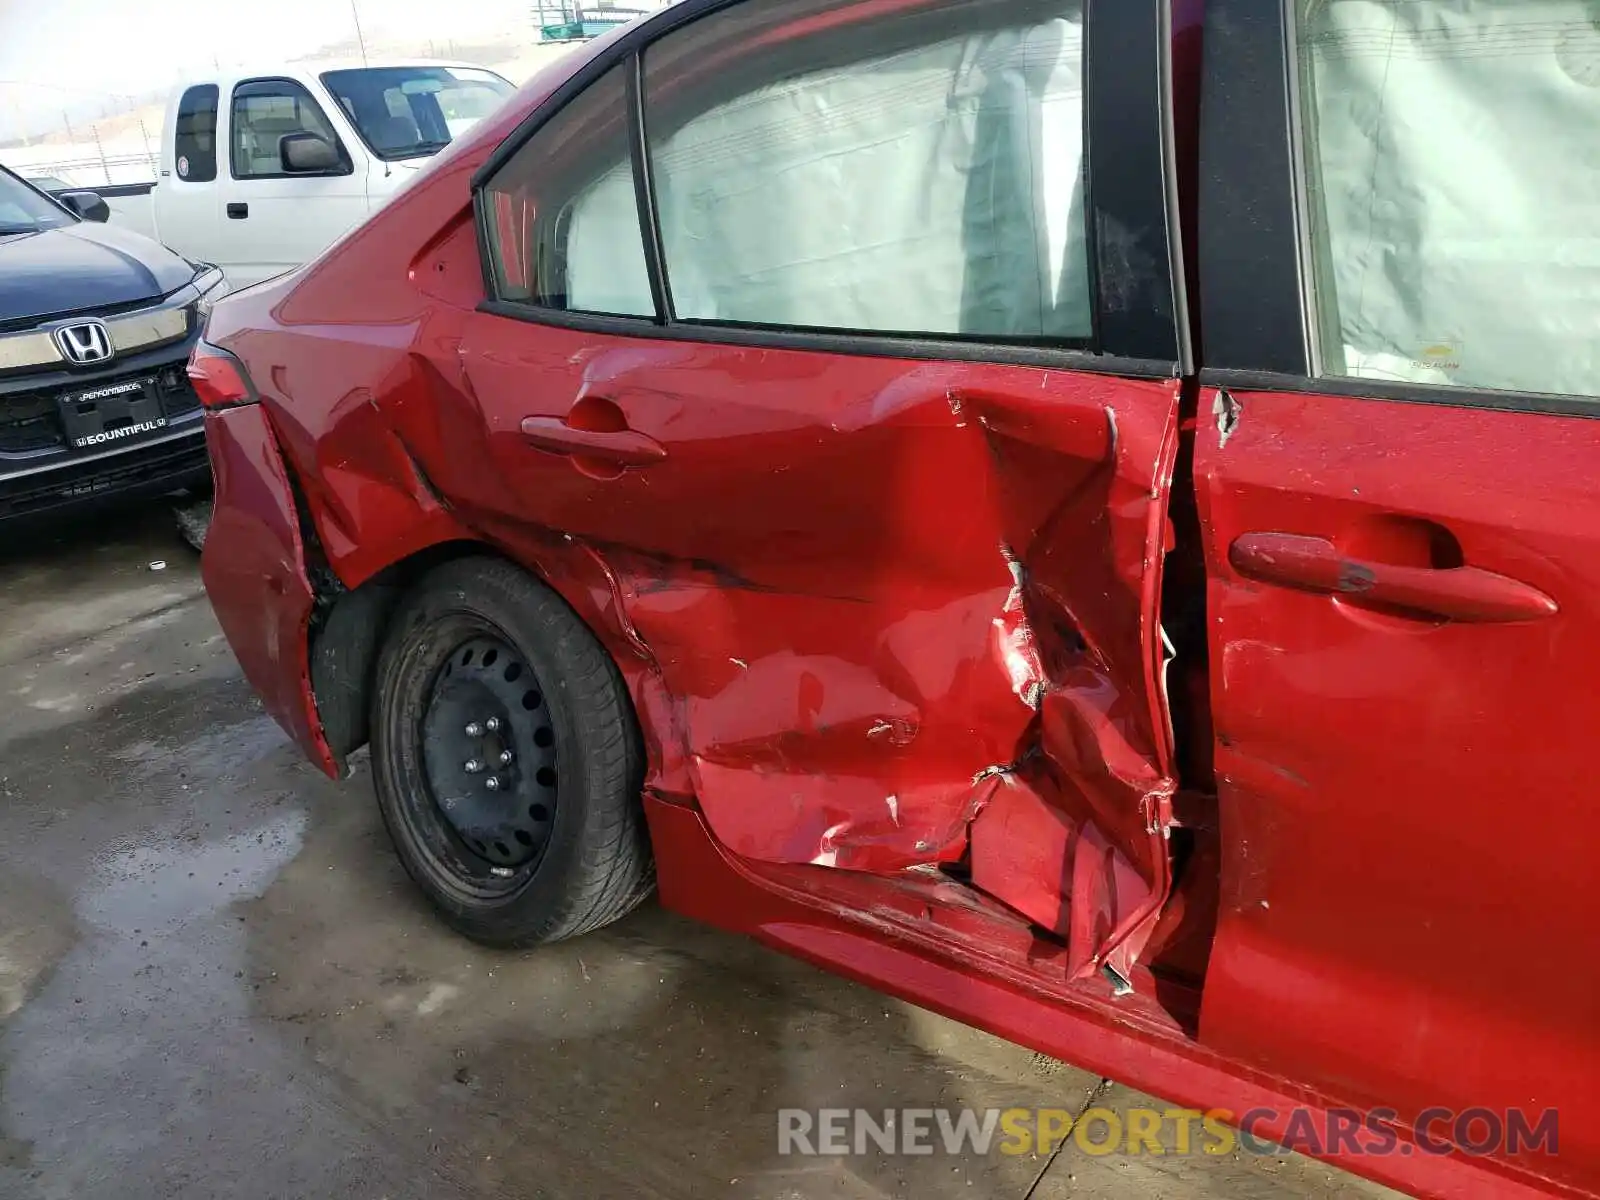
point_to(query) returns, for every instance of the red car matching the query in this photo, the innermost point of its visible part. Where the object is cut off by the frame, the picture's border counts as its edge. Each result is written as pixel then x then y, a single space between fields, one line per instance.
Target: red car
pixel 1079 514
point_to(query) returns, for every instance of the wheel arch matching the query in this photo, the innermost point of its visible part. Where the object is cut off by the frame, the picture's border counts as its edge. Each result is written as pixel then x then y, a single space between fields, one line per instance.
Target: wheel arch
pixel 347 631
pixel 350 624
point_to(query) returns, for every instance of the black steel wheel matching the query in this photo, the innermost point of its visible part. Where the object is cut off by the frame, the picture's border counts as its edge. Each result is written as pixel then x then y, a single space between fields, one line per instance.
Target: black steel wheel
pixel 507 759
pixel 489 746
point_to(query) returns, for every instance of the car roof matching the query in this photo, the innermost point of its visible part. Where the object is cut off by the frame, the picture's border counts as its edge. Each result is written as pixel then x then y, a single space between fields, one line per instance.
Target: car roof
pixel 310 70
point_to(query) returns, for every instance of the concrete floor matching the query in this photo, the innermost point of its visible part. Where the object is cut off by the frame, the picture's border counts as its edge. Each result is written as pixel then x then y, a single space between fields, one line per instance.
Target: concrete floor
pixel 216 981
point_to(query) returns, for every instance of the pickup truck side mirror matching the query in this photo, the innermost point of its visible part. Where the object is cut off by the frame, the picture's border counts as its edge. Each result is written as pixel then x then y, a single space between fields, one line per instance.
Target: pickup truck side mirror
pixel 88 205
pixel 307 154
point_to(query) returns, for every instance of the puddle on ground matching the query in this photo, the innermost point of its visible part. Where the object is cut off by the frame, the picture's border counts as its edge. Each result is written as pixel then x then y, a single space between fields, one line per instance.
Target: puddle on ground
pixel 154 886
pixel 214 754
pixel 135 1064
pixel 140 1064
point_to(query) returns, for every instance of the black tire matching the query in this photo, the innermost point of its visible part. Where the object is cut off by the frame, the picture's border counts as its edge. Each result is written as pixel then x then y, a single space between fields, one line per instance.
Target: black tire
pixel 592 861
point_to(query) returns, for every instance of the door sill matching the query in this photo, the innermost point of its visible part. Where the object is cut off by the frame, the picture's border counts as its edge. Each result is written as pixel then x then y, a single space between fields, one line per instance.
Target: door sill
pixel 934 915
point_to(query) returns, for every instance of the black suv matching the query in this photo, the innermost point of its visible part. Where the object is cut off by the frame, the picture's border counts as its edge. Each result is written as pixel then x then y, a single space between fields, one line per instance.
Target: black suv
pixel 96 324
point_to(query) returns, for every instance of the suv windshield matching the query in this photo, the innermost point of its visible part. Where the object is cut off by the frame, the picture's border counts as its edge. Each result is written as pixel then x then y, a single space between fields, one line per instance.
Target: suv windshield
pixel 405 112
pixel 23 210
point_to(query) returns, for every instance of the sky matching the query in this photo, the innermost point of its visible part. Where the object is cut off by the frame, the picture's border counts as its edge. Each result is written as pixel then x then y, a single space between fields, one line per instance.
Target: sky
pixel 75 55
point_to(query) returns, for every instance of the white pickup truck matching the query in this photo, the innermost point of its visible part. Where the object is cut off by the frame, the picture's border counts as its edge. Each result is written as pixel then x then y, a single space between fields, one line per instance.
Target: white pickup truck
pixel 261 171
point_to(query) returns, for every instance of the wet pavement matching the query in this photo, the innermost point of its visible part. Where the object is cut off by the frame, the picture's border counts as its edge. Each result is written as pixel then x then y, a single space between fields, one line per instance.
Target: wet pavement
pixel 216 980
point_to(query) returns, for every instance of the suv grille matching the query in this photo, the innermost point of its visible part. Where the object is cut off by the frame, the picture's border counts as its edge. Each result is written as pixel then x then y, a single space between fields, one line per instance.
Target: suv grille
pixel 29 422
pixel 162 467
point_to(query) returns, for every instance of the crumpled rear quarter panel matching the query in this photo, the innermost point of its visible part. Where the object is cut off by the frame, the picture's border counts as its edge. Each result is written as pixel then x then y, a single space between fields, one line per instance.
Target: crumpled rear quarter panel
pixel 254 572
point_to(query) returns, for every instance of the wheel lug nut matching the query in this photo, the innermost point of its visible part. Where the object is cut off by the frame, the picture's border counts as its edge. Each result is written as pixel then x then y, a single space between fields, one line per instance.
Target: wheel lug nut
pixel 492 784
pixel 473 766
pixel 505 758
pixel 492 724
pixel 474 730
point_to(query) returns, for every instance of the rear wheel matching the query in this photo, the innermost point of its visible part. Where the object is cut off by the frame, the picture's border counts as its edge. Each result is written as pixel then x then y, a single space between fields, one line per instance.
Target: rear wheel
pixel 507 760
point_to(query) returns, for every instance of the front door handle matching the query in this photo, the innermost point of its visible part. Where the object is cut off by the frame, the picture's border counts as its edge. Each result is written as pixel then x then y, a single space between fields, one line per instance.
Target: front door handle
pixel 624 447
pixel 1313 564
pixel 237 211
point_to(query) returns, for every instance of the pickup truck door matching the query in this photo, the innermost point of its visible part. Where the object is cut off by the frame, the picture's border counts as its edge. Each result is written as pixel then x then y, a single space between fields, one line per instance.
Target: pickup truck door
pixel 272 220
pixel 1399 483
pixel 901 591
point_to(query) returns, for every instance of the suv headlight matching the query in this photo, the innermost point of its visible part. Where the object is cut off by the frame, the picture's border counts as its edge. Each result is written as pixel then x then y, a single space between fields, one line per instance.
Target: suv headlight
pixel 212 286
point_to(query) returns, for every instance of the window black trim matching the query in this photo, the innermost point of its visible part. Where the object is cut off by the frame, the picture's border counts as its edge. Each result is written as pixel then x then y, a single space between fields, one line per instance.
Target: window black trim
pixel 1122 209
pixel 480 234
pixel 1090 181
pixel 347 164
pixel 1357 388
pixel 1126 180
pixel 1083 345
pixel 644 189
pixel 1175 190
pixel 1249 251
pixel 874 345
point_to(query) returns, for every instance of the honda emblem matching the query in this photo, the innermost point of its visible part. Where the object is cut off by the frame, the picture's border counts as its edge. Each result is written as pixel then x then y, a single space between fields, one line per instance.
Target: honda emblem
pixel 84 342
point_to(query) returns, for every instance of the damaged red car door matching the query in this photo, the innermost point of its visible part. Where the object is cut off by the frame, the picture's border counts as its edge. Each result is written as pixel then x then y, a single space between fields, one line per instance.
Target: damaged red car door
pixel 882 510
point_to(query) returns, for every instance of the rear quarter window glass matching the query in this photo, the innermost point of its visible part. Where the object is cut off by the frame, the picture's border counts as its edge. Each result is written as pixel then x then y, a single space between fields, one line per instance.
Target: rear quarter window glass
pixel 1451 185
pixel 195 135
pixel 561 216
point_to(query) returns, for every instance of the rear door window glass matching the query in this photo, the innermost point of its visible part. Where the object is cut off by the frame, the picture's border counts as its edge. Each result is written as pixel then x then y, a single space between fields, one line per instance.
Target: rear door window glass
pixel 1451 190
pixel 916 173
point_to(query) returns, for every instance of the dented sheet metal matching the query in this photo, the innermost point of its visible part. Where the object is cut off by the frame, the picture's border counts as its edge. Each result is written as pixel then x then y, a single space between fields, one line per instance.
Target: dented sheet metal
pixel 876 615
pixel 871 590
pixel 254 552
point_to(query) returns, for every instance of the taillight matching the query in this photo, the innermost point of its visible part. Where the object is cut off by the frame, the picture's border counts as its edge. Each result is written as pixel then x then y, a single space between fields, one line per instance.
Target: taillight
pixel 219 378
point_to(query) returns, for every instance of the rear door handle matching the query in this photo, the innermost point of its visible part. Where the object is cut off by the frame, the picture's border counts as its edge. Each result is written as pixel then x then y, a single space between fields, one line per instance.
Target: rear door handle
pixel 1466 594
pixel 625 447
pixel 238 211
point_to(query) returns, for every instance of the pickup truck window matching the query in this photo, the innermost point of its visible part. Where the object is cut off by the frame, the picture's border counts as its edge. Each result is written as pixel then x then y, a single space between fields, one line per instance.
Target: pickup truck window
pixel 23 210
pixel 195 139
pixel 408 112
pixel 264 110
pixel 922 173
pixel 1451 213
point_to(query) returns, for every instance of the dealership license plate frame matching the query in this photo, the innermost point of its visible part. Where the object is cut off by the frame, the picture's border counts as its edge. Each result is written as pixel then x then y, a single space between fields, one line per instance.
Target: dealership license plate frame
pixel 131 408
